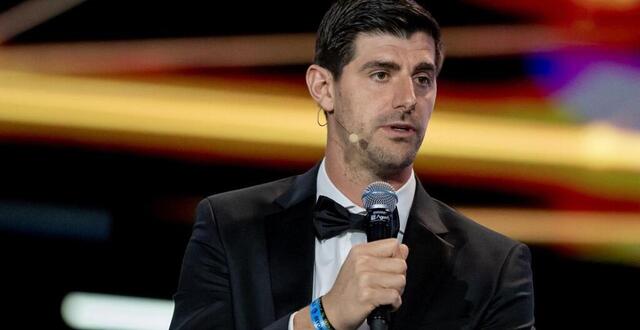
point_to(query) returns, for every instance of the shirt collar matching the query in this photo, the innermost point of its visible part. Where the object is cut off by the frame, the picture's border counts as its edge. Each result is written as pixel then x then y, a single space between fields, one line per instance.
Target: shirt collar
pixel 405 195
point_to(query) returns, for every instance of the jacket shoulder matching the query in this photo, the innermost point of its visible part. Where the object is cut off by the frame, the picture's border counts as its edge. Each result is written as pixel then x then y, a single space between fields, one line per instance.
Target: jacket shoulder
pixel 264 193
pixel 242 207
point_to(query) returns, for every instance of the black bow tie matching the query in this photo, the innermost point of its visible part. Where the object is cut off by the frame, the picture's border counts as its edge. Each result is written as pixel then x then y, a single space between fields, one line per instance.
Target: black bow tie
pixel 332 219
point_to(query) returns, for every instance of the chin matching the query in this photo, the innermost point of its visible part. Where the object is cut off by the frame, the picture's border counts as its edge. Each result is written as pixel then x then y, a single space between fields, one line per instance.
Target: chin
pixel 391 162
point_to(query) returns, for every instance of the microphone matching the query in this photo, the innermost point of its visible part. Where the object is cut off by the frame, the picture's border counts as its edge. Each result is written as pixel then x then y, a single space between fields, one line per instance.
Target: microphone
pixel 380 199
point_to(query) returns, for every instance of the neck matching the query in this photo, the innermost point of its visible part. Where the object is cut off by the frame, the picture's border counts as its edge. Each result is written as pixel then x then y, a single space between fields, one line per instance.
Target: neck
pixel 351 179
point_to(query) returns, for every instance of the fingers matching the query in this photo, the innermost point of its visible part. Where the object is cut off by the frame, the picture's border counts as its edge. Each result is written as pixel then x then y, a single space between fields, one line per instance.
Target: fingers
pixel 385 265
pixel 402 251
pixel 381 297
pixel 382 256
pixel 382 280
pixel 379 289
pixel 382 248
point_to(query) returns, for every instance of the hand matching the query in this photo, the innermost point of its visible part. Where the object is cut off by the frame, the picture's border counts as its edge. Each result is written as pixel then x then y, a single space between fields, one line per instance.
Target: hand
pixel 372 275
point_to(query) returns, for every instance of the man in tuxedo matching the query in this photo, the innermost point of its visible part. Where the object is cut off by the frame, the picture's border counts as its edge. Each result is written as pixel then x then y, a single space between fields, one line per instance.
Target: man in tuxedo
pixel 260 257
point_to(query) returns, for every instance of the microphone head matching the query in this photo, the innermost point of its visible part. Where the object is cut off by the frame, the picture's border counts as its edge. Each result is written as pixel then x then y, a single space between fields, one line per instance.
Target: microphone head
pixel 379 193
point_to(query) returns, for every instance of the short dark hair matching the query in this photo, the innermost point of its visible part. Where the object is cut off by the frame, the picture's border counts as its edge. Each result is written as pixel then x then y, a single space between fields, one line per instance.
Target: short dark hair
pixel 347 18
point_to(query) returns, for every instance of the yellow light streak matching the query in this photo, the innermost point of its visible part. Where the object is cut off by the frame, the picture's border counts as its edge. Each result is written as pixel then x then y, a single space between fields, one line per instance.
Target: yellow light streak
pixel 259 125
pixel 561 227
pixel 595 146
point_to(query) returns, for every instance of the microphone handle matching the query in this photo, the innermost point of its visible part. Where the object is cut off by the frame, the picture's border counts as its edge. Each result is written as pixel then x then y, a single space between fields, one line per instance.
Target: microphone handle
pixel 380 223
pixel 379 318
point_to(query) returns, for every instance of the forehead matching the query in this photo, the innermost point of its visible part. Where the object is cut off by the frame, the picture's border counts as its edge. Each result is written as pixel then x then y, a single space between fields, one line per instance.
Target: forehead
pixel 418 47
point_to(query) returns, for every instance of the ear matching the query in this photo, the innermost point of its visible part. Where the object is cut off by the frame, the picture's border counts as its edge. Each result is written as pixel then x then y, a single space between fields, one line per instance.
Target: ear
pixel 320 85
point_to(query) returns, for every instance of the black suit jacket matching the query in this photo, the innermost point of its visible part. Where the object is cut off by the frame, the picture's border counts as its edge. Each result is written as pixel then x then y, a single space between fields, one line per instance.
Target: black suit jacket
pixel 249 264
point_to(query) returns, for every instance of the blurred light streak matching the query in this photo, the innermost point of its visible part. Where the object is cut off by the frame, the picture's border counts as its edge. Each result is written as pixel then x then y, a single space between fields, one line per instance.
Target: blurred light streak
pixel 82 310
pixel 467 136
pixel 504 40
pixel 265 50
pixel 57 221
pixel 609 4
pixel 618 253
pixel 160 54
pixel 608 23
pixel 254 125
pixel 561 227
pixel 28 14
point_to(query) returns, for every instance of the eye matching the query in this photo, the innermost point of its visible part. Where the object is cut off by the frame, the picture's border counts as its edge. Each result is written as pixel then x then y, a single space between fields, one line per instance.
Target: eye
pixel 380 76
pixel 424 81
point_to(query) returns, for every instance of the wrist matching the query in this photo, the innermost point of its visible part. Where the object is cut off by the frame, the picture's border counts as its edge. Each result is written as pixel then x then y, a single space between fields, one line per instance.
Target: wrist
pixel 331 313
pixel 318 316
pixel 302 320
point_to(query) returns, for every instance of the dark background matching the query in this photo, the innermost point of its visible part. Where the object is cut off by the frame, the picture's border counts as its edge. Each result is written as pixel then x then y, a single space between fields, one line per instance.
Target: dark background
pixel 149 198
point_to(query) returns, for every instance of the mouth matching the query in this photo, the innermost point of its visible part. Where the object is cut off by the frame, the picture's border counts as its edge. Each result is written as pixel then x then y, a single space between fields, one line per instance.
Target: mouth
pixel 401 127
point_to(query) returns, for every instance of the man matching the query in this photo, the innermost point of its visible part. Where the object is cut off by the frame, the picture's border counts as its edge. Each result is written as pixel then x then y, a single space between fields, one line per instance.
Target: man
pixel 256 258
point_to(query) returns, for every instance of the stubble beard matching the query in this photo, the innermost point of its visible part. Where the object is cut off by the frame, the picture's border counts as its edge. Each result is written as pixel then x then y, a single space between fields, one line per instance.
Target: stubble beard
pixel 371 159
pixel 383 161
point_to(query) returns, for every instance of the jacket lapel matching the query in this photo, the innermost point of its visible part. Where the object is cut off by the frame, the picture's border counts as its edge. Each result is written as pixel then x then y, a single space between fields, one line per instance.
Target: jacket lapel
pixel 291 245
pixel 428 261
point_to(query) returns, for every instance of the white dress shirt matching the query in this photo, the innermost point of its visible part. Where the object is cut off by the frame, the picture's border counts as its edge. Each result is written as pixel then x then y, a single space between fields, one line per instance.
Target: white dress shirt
pixel 332 252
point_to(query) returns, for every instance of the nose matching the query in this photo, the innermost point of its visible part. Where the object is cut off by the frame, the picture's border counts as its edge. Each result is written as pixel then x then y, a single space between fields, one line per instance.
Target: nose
pixel 405 95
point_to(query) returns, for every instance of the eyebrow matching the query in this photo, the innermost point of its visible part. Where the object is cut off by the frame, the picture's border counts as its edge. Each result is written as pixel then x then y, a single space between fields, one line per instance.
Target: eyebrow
pixel 392 66
pixel 424 67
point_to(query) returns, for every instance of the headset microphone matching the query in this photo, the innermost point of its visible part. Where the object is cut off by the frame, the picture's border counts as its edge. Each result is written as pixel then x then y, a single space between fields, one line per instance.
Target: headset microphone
pixel 353 137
